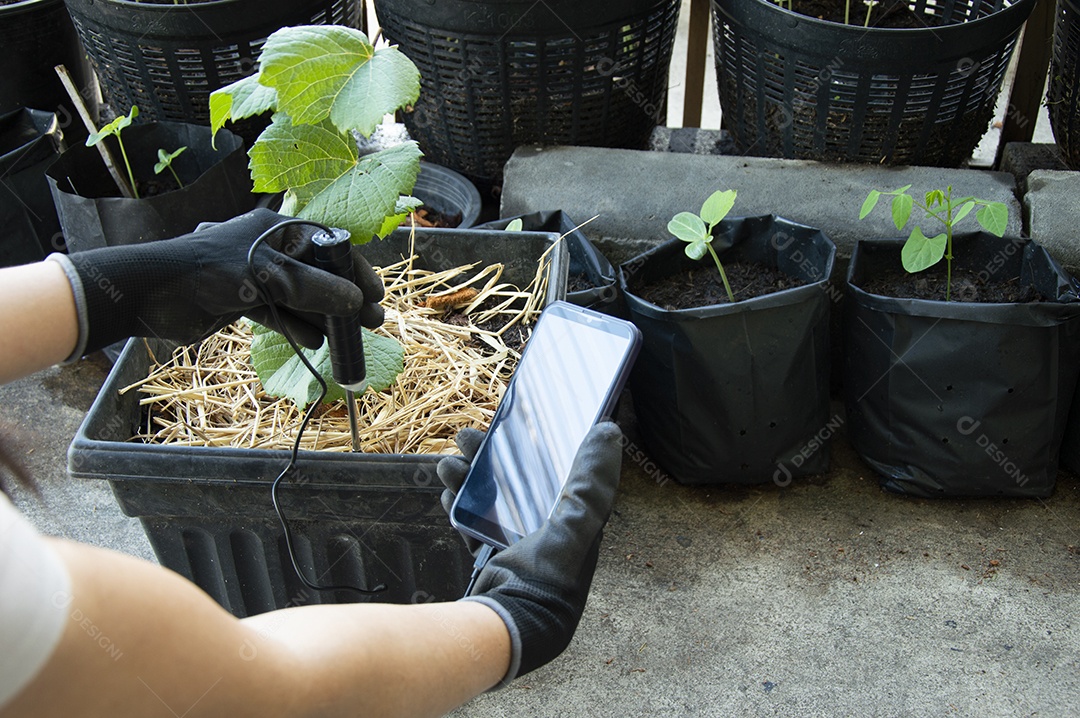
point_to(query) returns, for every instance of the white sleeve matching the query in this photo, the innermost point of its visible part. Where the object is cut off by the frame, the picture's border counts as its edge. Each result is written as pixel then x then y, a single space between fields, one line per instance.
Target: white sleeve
pixel 35 591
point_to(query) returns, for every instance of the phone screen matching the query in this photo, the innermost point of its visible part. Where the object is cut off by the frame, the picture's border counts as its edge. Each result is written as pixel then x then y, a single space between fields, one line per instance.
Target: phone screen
pixel 569 376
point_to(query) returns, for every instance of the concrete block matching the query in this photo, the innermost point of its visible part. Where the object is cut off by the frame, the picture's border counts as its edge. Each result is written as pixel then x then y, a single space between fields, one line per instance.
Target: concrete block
pixel 635 193
pixel 1022 158
pixel 1050 214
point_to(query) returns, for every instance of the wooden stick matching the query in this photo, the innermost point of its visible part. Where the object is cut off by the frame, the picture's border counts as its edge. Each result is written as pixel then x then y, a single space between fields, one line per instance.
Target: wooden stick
pixel 80 107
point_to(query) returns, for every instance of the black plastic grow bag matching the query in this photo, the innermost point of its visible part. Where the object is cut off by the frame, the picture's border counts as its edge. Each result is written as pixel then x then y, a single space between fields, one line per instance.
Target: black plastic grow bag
pixel 962 399
pixel 1063 91
pixel 591 278
pixel 217 187
pixel 799 87
pixel 357 519
pixel 737 393
pixel 448 193
pixel 30 141
pixel 496 74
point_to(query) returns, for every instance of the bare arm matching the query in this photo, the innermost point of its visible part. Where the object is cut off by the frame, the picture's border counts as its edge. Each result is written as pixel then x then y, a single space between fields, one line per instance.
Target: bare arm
pixel 143 641
pixel 38 322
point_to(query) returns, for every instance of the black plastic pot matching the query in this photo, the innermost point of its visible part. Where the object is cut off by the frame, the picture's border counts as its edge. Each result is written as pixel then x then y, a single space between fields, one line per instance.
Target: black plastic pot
pixel 36 36
pixel 358 519
pixel 962 399
pixel 217 186
pixel 448 193
pixel 168 58
pixel 30 141
pixel 496 74
pixel 591 279
pixel 798 87
pixel 737 393
pixel 1063 91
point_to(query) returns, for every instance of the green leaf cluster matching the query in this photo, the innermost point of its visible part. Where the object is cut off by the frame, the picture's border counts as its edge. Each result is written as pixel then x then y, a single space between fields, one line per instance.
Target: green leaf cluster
pixel 696 230
pixel 323 82
pixel 922 252
pixel 114 128
pixel 165 160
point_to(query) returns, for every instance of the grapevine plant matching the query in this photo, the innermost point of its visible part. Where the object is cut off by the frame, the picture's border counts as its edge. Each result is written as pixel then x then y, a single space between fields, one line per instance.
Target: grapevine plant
pixel 323 83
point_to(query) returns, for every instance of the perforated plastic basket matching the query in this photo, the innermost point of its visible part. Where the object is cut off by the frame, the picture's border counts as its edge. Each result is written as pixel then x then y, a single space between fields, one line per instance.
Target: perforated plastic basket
pixel 168 58
pixel 798 87
pixel 500 73
pixel 1063 94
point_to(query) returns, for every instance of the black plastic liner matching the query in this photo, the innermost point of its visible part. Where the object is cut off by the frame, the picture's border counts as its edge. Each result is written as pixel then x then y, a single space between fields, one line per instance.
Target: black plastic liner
pixel 217 186
pixel 357 519
pixel 737 393
pixel 1070 443
pixel 30 141
pixel 962 399
pixel 587 264
pixel 448 192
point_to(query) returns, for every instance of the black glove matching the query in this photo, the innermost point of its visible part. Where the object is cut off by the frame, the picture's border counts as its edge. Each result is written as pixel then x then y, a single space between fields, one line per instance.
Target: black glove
pixel 189 287
pixel 539 585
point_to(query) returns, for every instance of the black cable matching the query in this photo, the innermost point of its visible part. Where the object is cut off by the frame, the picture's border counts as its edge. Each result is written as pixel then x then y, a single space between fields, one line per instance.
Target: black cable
pixel 268 300
pixel 485 554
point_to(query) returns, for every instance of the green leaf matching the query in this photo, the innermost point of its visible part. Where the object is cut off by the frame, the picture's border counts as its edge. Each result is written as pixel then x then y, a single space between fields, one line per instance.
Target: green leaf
pixel 934 197
pixel 362 198
pixel 515 225
pixel 165 159
pixel 244 98
pixel 688 227
pixel 920 251
pixel 114 127
pixel 696 249
pixel 717 206
pixel 964 210
pixel 994 218
pixel 283 374
pixel 869 203
pixel 901 209
pixel 303 158
pixel 334 72
pixel 401 213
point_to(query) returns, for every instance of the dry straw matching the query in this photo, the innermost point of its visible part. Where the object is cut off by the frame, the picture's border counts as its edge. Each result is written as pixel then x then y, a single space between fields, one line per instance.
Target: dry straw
pixel 455 372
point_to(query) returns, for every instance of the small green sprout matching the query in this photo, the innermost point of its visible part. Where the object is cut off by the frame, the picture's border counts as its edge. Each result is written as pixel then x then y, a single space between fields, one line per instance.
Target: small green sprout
pixel 921 252
pixel 114 128
pixel 164 162
pixel 515 225
pixel 697 230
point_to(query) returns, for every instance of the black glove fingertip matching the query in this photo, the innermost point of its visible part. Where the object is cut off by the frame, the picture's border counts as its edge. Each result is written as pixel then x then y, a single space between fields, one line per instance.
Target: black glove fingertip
pixel 469 440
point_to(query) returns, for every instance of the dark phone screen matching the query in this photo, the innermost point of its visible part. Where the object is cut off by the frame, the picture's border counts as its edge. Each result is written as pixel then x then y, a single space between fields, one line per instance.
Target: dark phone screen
pixel 560 388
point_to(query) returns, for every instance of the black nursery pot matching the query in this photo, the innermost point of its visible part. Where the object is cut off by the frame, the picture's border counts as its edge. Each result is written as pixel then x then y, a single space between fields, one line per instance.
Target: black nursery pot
pixel 356 519
pixel 737 393
pixel 799 87
pixel 30 141
pixel 962 399
pixel 591 279
pixel 217 186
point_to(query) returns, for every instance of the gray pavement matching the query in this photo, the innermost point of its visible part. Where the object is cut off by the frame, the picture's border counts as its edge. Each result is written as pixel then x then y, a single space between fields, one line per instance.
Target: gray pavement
pixel 826 598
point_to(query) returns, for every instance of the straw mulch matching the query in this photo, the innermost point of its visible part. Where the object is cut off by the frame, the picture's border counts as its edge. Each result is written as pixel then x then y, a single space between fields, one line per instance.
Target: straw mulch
pixel 455 372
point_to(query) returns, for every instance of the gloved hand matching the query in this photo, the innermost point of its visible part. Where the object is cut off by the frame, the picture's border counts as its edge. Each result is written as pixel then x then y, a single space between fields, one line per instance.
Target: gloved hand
pixel 539 585
pixel 189 287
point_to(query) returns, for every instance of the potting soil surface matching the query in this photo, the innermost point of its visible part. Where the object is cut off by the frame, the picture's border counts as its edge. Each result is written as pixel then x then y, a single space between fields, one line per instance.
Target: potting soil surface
pixel 966 287
pixel 893 14
pixel 702 286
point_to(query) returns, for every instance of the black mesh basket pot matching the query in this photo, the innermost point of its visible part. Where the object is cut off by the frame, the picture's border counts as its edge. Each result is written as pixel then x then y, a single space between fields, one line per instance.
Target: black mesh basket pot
pixel 799 87
pixel 496 74
pixel 962 398
pixel 167 58
pixel 1063 92
pixel 37 35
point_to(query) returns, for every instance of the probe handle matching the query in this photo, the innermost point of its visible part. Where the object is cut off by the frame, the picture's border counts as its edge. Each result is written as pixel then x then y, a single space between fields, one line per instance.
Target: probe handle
pixel 333 253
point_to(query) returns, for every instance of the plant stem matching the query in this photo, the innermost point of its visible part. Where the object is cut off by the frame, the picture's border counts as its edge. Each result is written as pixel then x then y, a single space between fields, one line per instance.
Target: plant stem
pixel 723 276
pixel 176 177
pixel 869 9
pixel 948 246
pixel 131 177
pixel 847 12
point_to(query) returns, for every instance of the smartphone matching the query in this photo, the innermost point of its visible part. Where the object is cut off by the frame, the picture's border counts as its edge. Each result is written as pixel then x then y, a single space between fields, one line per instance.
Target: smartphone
pixel 569 377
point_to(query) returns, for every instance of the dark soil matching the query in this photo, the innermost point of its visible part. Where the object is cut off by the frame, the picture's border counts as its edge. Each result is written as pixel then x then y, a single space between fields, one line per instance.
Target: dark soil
pixel 888 14
pixel 578 283
pixel 429 217
pixel 514 337
pixel 156 186
pixel 966 287
pixel 701 286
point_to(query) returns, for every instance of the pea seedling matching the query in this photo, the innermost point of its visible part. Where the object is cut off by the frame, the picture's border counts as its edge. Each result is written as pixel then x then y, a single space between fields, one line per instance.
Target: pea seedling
pixel 164 162
pixel 114 128
pixel 697 230
pixel 921 252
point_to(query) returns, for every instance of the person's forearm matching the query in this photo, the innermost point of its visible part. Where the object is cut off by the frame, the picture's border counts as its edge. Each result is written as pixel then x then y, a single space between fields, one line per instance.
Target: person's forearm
pixel 38 324
pixel 142 641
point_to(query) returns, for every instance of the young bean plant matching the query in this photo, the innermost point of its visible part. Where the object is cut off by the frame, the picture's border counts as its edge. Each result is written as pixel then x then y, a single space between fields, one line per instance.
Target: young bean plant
pixel 921 252
pixel 113 129
pixel 165 160
pixel 697 230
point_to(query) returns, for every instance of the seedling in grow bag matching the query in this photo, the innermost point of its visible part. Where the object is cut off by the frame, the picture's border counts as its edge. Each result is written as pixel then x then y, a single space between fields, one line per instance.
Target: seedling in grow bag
pixel 113 129
pixel 921 252
pixel 697 230
pixel 165 162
